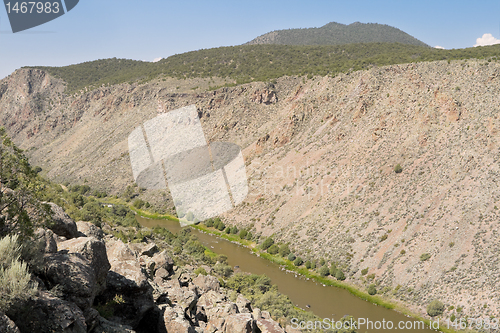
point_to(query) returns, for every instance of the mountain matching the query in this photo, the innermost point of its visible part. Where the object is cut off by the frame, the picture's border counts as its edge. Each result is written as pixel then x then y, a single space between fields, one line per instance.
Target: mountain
pixel 321 156
pixel 335 33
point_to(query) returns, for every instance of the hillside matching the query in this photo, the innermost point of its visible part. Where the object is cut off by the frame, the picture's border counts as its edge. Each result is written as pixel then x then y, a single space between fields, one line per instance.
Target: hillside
pixel 248 63
pixel 335 34
pixel 321 156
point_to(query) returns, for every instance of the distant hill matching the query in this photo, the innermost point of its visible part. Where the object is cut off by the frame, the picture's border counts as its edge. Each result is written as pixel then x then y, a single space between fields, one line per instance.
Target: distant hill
pixel 335 34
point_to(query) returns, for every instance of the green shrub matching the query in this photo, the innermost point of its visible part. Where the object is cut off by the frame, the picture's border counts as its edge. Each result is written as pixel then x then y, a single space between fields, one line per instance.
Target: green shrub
pixel 223 270
pixel 398 168
pixel 243 234
pixel 227 230
pixel 234 230
pixel 284 250
pixel 209 223
pixel 435 308
pixel 15 279
pixel 339 275
pixel 308 264
pixel 200 270
pixel 322 262
pixel 424 256
pixel 267 243
pixel 333 269
pixel 273 249
pixel 324 271
pixel 291 257
pixel 364 271
pixel 298 261
pixel 371 289
pixel 138 203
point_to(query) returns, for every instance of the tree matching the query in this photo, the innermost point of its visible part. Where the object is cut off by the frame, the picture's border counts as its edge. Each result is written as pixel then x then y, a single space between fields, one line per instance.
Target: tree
pixel 291 257
pixel 20 211
pixel 267 243
pixel 333 269
pixel 324 271
pixel 284 250
pixel 371 289
pixel 398 168
pixel 339 275
pixel 273 249
pixel 298 261
pixel 435 308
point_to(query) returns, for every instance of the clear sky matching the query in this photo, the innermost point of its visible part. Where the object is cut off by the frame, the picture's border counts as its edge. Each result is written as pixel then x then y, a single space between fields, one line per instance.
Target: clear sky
pixel 149 29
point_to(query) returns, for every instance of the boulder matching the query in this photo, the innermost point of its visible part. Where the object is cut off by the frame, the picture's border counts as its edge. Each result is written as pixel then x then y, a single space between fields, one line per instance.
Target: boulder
pixel 127 278
pixel 163 260
pixel 239 323
pixel 7 325
pixel 62 224
pixel 87 229
pixel 72 273
pixel 47 314
pixel 144 249
pixel 206 283
pixel 173 321
pixel 48 238
pixel 106 326
pixel 243 304
pixel 268 326
pixel 125 272
pixel 94 251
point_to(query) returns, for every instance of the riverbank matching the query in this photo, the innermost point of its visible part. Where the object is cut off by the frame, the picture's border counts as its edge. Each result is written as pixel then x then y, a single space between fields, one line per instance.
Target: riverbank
pixel 302 271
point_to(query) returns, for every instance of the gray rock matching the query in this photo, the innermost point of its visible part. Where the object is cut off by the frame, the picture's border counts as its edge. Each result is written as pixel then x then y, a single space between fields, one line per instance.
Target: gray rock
pixel 73 274
pixel 173 320
pixel 243 304
pixel 268 326
pixel 94 251
pixel 7 325
pixel 48 237
pixel 62 224
pixel 206 283
pixel 47 314
pixel 239 323
pixel 163 260
pixel 88 229
pixel 106 326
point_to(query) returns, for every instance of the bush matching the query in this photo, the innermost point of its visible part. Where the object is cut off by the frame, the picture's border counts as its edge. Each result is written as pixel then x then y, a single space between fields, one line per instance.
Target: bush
pixel 209 223
pixel 267 243
pixel 223 270
pixel 234 230
pixel 333 269
pixel 424 256
pixel 435 308
pixel 308 264
pixel 364 271
pixel 273 249
pixel 371 289
pixel 339 275
pixel 291 257
pixel 228 230
pixel 200 270
pixel 243 234
pixel 324 271
pixel 284 250
pixel 15 279
pixel 138 203
pixel 298 261
pixel 398 168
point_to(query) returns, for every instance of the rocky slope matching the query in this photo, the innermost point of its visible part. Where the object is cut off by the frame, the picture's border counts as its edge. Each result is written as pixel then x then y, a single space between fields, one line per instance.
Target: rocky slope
pixel 88 275
pixel 320 158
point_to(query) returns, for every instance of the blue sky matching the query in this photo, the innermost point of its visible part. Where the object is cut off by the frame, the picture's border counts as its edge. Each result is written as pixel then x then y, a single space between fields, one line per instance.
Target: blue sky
pixel 148 29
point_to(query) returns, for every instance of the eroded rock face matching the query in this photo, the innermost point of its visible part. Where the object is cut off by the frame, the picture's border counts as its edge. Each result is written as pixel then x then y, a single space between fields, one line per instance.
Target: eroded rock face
pixel 94 251
pixel 206 283
pixel 47 314
pixel 63 224
pixel 239 323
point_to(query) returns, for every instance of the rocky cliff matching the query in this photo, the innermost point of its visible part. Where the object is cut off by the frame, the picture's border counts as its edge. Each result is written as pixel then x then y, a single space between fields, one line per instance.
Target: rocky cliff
pixel 321 156
pixel 93 282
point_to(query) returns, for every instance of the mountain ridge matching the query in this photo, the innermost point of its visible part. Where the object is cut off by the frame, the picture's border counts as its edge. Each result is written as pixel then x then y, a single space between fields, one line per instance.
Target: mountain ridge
pixel 334 33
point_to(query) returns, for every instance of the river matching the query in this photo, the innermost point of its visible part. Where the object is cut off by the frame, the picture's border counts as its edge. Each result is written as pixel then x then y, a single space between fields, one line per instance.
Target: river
pixel 324 301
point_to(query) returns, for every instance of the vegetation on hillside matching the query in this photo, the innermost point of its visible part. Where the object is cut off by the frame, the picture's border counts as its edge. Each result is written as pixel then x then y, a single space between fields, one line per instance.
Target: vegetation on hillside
pixel 248 63
pixel 335 33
